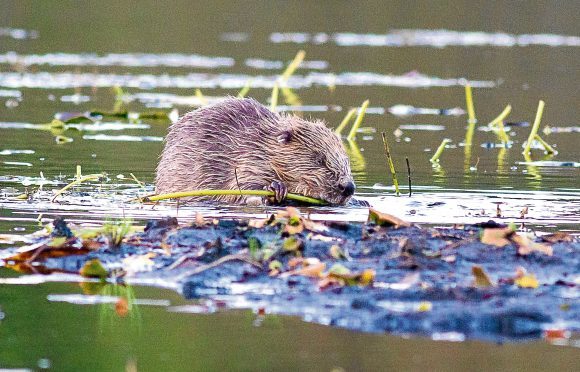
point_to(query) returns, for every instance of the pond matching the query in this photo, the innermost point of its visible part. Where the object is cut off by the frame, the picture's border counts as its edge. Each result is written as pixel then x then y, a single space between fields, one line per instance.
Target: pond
pixel 411 60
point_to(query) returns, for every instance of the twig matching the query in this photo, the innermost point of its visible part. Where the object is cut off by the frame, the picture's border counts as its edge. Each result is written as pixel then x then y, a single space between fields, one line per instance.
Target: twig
pixel 409 175
pixel 185 194
pixel 90 177
pixel 390 162
pixel 231 257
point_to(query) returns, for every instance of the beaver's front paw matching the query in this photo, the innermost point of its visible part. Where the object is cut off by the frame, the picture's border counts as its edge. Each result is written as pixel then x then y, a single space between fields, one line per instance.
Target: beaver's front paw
pixel 280 192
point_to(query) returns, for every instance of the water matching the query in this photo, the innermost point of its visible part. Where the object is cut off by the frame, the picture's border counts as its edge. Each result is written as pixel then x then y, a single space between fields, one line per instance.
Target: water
pixel 60 58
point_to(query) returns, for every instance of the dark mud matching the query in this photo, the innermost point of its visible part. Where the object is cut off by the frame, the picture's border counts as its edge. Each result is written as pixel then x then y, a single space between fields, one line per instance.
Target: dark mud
pixel 382 276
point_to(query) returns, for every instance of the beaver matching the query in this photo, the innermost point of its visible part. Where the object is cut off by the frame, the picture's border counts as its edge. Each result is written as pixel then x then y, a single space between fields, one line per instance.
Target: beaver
pixel 238 143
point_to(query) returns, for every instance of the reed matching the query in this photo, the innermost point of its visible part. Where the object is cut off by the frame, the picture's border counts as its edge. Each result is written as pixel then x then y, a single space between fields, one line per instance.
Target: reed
pixel 435 157
pixel 345 121
pixel 535 127
pixel 357 122
pixel 390 162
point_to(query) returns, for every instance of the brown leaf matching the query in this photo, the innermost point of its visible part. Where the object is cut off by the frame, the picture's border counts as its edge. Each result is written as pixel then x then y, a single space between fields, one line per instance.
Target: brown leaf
pixel 385 219
pixel 557 237
pixel 498 237
pixel 526 246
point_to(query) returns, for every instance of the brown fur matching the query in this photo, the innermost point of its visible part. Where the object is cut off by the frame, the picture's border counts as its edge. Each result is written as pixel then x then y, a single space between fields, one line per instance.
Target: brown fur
pixel 207 147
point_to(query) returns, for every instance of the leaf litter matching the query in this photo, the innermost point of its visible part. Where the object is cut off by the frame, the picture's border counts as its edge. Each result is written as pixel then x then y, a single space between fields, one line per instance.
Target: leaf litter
pixel 484 281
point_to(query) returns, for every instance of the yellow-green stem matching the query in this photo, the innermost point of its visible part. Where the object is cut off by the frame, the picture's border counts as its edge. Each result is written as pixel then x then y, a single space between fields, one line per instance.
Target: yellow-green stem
pixel 293 65
pixel 245 89
pixel 345 121
pixel 549 149
pixel 274 98
pixel 359 118
pixel 535 127
pixel 439 151
pixel 506 111
pixel 90 177
pixel 391 165
pixel 469 104
pixel 186 194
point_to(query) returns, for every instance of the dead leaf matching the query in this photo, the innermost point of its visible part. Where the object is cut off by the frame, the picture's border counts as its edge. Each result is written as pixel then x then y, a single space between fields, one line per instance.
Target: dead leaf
pixel 557 237
pixel 526 246
pixel 385 219
pixel 481 280
pixel 122 307
pixel 527 281
pixel 498 237
pixel 337 253
pixel 424 306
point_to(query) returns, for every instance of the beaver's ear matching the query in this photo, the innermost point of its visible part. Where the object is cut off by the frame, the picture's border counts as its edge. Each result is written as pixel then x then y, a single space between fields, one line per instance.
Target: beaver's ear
pixel 285 136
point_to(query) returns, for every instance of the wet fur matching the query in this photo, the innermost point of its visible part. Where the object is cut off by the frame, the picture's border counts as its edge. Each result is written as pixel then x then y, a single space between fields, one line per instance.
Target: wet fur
pixel 207 147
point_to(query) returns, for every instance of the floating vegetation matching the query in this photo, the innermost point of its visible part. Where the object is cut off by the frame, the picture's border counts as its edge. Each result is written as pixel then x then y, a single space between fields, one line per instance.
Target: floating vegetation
pixel 427 38
pixel 78 180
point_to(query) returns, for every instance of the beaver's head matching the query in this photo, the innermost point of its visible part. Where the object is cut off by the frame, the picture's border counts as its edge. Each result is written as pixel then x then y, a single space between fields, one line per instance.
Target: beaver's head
pixel 310 159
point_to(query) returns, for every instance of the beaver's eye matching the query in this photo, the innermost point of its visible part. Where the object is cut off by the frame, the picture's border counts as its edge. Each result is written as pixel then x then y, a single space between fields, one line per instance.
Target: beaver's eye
pixel 320 159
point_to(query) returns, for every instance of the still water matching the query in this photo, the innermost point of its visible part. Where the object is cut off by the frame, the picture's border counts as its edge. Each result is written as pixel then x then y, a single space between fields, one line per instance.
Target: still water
pixel 67 57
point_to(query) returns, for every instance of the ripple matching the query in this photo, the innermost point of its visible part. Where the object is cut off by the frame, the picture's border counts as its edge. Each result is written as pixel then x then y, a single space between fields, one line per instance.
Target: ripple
pixel 65 80
pixel 121 59
pixel 426 38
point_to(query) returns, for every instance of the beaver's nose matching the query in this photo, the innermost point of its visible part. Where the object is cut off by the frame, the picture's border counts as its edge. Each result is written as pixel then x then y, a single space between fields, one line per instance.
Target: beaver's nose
pixel 347 189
